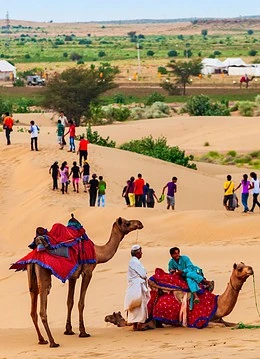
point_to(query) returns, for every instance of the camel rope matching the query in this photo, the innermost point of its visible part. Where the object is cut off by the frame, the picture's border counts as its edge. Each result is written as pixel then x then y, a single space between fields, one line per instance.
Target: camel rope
pixel 256 304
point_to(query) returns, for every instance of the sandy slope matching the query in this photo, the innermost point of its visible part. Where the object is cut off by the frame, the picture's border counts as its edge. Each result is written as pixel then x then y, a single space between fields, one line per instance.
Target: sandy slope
pixel 214 239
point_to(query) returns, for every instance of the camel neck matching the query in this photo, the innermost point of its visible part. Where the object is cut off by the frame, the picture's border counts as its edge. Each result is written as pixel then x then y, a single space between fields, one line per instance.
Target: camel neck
pixel 106 252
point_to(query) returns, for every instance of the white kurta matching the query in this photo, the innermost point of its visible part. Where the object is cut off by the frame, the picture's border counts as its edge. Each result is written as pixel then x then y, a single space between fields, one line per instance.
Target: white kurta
pixel 137 293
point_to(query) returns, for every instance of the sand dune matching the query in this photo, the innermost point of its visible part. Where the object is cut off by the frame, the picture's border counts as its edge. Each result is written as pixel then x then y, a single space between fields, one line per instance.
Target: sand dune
pixel 212 237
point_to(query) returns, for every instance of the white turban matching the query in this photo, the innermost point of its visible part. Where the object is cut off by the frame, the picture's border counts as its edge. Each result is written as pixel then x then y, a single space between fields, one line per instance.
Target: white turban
pixel 135 247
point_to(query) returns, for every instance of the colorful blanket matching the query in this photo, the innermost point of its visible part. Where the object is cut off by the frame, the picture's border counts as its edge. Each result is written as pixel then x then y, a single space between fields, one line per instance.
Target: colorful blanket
pixel 165 307
pixel 74 238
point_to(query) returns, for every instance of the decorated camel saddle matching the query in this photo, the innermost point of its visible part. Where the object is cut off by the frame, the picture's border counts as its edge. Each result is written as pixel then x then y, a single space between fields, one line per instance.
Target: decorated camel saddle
pixel 61 250
pixel 172 303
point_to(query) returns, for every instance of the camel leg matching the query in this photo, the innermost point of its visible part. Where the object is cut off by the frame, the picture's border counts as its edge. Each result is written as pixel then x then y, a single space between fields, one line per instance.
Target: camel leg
pixel 226 324
pixel 44 283
pixel 70 303
pixel 86 278
pixel 34 296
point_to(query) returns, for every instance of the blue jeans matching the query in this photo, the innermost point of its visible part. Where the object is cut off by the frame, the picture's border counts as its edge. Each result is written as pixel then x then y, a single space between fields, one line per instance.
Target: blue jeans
pixel 101 198
pixel 244 198
pixel 72 144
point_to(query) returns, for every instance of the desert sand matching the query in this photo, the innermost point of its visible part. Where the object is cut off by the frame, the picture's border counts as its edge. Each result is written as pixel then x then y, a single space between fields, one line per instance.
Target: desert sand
pixel 212 237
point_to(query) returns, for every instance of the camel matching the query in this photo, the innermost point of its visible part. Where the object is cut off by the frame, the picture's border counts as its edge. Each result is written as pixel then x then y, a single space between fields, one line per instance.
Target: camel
pixel 39 280
pixel 226 301
pixel 245 79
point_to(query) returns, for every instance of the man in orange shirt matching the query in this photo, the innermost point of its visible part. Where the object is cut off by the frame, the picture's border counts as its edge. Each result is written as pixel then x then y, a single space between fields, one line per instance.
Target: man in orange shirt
pixel 83 149
pixel 8 126
pixel 138 190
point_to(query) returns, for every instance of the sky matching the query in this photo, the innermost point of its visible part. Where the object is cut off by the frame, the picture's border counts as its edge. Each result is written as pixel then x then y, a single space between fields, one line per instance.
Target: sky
pixel 105 10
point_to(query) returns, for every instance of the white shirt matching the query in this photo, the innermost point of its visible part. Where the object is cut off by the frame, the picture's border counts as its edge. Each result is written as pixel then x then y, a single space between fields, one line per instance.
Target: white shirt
pixel 34 131
pixel 64 120
pixel 256 188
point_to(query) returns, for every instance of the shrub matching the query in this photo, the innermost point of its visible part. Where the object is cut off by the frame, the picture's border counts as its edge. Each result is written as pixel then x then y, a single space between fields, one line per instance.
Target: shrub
pixel 19 83
pixel 101 53
pixel 116 113
pixel 172 53
pixel 250 32
pixel 232 153
pixel 119 98
pixel 158 148
pixel 201 105
pixel 246 108
pixel 65 54
pixel 162 70
pixel 172 89
pixel 150 53
pixel 252 52
pixel 95 138
pixel 75 56
pixel 206 144
pixel 155 97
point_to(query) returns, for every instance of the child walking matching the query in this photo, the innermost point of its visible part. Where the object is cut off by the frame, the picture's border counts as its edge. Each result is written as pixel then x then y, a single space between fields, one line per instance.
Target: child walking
pixel 101 191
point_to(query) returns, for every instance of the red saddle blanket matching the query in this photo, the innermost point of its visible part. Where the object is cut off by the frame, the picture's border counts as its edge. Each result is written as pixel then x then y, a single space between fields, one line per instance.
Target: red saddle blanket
pixel 80 251
pixel 165 307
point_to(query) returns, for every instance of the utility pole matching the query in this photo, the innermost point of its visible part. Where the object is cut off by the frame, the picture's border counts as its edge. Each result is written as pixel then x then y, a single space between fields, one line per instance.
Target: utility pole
pixel 138 58
pixel 8 28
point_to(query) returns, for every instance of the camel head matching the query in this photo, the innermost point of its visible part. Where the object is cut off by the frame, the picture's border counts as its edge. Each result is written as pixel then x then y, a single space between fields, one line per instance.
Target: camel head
pixel 241 272
pixel 126 226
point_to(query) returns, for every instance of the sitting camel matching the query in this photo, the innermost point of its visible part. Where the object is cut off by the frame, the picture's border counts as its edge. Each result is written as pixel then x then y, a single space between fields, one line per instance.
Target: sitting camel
pixel 222 304
pixel 39 279
pixel 246 80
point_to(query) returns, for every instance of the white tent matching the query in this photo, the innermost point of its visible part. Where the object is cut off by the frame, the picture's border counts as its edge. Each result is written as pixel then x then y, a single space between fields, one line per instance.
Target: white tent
pixel 236 61
pixel 211 66
pixel 250 70
pixel 7 71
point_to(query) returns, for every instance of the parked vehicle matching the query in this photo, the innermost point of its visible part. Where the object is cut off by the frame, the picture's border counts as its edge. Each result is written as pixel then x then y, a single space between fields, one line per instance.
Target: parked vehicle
pixel 35 80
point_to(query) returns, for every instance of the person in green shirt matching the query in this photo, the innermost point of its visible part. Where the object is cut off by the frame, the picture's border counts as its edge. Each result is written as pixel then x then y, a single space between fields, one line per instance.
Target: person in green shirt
pixel 60 134
pixel 101 191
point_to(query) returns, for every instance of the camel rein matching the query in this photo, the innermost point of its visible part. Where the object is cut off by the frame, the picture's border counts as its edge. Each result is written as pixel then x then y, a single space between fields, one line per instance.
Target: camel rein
pixel 256 304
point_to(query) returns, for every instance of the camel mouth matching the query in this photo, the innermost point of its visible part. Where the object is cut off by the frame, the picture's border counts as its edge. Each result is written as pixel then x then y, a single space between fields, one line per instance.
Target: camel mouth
pixel 139 226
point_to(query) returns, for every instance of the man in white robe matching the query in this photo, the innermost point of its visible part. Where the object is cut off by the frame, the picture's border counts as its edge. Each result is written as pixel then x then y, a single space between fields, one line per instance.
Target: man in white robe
pixel 137 294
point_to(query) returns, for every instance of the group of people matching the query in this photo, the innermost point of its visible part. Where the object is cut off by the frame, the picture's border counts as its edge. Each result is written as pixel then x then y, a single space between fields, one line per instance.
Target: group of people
pixel 137 193
pixel 230 199
pixel 137 293
pixel 95 187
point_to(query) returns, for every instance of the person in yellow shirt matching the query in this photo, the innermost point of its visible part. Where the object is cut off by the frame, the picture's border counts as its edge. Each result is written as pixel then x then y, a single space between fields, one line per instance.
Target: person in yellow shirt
pixel 228 193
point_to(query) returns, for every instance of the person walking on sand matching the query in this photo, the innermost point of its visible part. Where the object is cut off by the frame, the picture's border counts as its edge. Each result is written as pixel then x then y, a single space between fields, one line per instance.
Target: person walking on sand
pixel 192 274
pixel 255 190
pixel 8 127
pixel 138 190
pixel 125 194
pixel 130 191
pixel 93 188
pixel 34 131
pixel 171 190
pixel 83 149
pixel 246 186
pixel 150 196
pixel 64 177
pixel 85 173
pixel 228 193
pixel 72 133
pixel 63 119
pixel 101 191
pixel 60 134
pixel 137 294
pixel 75 172
pixel 54 171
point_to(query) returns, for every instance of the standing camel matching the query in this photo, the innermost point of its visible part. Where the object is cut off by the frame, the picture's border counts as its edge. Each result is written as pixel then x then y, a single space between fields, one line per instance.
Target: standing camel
pixel 39 279
pixel 245 79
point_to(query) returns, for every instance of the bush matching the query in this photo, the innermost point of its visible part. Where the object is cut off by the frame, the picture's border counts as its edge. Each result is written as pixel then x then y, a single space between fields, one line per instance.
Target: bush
pixel 162 70
pixel 150 53
pixel 19 83
pixel 172 53
pixel 246 108
pixel 158 148
pixel 95 138
pixel 75 56
pixel 101 54
pixel 155 97
pixel 201 105
pixel 172 89
pixel 252 52
pixel 116 113
pixel 119 98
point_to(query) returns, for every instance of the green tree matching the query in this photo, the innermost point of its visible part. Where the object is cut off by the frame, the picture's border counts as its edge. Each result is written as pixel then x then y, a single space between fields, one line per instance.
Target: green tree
pixel 204 32
pixel 250 32
pixel 74 89
pixel 182 70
